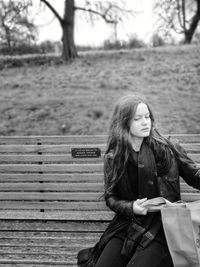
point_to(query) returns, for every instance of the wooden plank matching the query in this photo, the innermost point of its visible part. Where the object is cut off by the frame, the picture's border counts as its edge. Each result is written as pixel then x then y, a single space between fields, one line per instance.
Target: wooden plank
pixel 69 244
pixel 21 264
pixel 67 187
pixel 48 236
pixel 70 139
pixel 8 263
pixel 186 188
pixel 34 263
pixel 188 197
pixel 41 250
pixel 192 147
pixel 186 138
pixel 195 157
pixel 80 139
pixel 52 226
pixel 9 159
pixel 47 252
pixel 66 149
pixel 66 177
pixel 17 158
pixel 63 215
pixel 37 263
pixel 51 168
pixel 84 196
pixel 52 205
pixel 28 250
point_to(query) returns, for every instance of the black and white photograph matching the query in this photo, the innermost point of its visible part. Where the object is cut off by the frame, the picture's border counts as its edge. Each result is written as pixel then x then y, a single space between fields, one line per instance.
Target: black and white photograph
pixel 100 133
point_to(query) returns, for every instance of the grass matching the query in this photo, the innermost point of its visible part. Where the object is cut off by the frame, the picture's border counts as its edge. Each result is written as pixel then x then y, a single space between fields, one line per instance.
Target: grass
pixel 78 98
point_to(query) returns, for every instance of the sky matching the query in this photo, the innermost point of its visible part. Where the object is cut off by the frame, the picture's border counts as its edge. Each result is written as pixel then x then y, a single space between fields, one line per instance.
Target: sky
pixel 140 24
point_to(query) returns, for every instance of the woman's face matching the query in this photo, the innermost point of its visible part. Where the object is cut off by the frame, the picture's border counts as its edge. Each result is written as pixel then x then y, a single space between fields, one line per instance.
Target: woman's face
pixel 140 125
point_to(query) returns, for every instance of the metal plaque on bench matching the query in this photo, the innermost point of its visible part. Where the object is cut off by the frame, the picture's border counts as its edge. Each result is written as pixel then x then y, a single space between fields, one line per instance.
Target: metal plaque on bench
pixel 86 152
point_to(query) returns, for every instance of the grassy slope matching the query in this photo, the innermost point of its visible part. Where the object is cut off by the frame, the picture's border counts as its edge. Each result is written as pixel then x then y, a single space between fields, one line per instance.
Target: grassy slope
pixel 80 95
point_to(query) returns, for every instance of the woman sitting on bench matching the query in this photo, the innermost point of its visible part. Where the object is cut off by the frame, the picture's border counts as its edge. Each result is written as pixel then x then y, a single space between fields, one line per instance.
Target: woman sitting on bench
pixel 140 164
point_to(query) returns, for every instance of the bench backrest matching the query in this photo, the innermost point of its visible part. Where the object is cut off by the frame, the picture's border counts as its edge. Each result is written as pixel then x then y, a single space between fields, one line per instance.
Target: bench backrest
pixel 61 177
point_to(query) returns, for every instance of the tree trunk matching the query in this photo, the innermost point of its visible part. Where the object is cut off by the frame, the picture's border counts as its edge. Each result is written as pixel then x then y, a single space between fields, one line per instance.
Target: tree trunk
pixel 69 48
pixel 195 20
pixel 8 40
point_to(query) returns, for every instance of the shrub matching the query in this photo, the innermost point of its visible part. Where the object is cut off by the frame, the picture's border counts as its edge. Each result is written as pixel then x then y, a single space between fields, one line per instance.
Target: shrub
pixel 50 47
pixel 27 49
pixel 157 40
pixel 196 38
pixel 19 49
pixel 135 42
pixel 108 45
pixel 31 60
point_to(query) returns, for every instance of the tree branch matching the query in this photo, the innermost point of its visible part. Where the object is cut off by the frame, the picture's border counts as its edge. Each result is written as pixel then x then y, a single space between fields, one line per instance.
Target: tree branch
pixel 181 14
pixel 103 15
pixel 53 10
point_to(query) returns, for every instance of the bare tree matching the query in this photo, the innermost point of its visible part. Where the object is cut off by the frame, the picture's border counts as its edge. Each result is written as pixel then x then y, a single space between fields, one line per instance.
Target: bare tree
pixel 15 25
pixel 106 10
pixel 180 16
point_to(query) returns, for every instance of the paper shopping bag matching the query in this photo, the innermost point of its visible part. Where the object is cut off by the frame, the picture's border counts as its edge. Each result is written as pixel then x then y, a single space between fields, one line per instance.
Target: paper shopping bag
pixel 181 224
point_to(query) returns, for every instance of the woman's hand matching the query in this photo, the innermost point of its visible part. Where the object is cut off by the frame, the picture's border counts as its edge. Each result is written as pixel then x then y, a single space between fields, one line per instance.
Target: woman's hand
pixel 138 207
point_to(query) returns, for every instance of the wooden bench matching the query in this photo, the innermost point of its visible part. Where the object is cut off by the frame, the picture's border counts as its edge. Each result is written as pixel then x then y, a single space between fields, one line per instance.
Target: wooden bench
pixel 50 201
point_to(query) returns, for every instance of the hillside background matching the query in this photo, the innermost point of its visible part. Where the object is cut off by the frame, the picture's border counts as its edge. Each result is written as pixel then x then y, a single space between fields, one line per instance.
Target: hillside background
pixel 78 97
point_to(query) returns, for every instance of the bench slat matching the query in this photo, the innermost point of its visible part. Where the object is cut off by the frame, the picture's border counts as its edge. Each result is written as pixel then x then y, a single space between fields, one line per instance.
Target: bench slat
pixel 84 196
pixel 9 159
pixel 91 197
pixel 34 250
pixel 52 205
pixel 69 187
pixel 52 225
pixel 63 215
pixel 70 139
pixel 67 177
pixel 7 263
pixel 80 139
pixel 38 263
pixel 66 149
pixel 46 148
pixel 46 242
pixel 51 168
pixel 49 236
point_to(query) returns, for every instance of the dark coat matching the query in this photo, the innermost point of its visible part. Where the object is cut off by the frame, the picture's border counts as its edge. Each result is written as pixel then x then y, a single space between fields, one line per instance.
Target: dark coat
pixel 152 182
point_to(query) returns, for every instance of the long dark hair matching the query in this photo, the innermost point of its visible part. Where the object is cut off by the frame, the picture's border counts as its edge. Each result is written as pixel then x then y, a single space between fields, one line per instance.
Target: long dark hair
pixel 118 139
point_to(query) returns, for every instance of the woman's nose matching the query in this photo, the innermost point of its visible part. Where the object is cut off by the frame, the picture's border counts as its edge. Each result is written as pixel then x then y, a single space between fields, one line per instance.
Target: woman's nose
pixel 144 121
